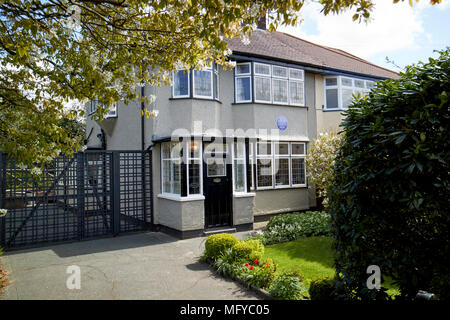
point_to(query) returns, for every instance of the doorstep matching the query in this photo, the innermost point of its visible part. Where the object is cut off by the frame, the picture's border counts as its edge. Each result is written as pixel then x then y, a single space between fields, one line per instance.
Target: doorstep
pixel 211 231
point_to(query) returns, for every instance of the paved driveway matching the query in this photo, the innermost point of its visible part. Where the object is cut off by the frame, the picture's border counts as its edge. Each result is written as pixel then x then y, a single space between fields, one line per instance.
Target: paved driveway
pixel 138 266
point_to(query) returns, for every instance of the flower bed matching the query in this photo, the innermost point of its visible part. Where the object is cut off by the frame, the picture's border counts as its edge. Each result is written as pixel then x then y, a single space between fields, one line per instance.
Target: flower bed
pixel 289 227
pixel 241 260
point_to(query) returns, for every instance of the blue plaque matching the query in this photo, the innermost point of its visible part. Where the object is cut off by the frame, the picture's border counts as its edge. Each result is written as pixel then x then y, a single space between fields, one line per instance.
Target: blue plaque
pixel 282 123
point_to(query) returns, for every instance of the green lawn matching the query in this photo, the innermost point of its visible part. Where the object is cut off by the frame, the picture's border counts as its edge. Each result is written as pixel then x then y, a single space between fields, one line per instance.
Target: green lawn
pixel 312 257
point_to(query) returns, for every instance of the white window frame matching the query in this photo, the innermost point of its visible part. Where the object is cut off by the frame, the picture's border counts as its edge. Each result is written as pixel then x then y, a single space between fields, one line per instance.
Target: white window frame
pixel 270 89
pixel 211 72
pixel 163 192
pixel 265 156
pixel 216 73
pixel 243 75
pixel 200 160
pixel 282 156
pixel 251 160
pixel 189 84
pixel 273 157
pixel 287 89
pixel 302 103
pixel 297 156
pixel 113 108
pixel 234 167
pixel 339 86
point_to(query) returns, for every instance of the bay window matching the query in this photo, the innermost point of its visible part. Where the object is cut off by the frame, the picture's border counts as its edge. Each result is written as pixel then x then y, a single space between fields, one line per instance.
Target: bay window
pixel 205 83
pixel 171 168
pixel 339 91
pixel 280 165
pixel 271 84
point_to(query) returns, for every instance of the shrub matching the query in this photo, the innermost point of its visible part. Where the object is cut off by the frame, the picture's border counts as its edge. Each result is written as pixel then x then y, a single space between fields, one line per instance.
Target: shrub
pixel 287 286
pixel 257 249
pixel 320 162
pixel 242 250
pixel 216 244
pixel 288 227
pixel 322 289
pixel 261 275
pixel 226 264
pixel 390 190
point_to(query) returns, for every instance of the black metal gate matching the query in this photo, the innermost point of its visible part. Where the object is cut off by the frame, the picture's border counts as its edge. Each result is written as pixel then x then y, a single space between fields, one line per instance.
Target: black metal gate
pixel 94 193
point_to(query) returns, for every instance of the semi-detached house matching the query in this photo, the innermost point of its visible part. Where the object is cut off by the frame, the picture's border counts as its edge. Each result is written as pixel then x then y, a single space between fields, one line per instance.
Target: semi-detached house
pixel 230 145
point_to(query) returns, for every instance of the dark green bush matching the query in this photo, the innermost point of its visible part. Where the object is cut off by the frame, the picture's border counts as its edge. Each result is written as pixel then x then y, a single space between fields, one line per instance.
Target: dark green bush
pixel 216 244
pixel 322 289
pixel 390 195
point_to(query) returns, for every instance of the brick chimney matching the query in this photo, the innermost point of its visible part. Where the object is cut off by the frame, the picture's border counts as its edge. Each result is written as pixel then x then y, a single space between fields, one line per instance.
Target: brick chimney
pixel 262 22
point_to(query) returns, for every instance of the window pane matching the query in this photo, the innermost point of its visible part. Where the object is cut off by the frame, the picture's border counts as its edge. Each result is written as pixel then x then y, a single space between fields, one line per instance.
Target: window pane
pixel 370 84
pixel 171 177
pixel 264 148
pixel 166 150
pixel 243 68
pixel 296 92
pixel 298 148
pixel 298 171
pixel 202 83
pixel 359 83
pixel 296 74
pixel 239 150
pixel 215 167
pixel 176 177
pixel 262 89
pixel 181 83
pixel 194 177
pixel 280 90
pixel 262 69
pixel 264 168
pixel 282 148
pixel 243 89
pixel 239 175
pixel 282 172
pixel 347 82
pixel 279 72
pixel 347 97
pixel 331 82
pixel 332 98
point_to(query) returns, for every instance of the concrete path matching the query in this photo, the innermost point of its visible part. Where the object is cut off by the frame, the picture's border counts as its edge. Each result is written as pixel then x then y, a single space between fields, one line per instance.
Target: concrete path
pixel 138 266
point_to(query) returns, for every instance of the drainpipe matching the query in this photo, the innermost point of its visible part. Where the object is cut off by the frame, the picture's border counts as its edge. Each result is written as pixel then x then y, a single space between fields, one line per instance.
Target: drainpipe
pixel 142 120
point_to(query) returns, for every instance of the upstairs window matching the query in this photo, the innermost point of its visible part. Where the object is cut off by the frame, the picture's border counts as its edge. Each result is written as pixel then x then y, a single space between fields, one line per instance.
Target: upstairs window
pixel 111 112
pixel 181 84
pixel 339 91
pixel 205 83
pixel 243 82
pixel 272 84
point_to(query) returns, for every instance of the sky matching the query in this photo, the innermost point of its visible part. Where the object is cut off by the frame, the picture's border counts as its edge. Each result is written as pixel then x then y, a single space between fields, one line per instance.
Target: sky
pixel 400 32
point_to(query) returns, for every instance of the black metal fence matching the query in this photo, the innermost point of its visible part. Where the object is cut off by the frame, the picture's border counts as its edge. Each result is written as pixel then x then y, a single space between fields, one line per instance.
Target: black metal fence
pixel 94 193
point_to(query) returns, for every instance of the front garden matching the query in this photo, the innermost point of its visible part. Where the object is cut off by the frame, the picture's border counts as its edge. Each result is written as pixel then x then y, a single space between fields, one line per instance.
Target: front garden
pixel 297 252
pixel 292 259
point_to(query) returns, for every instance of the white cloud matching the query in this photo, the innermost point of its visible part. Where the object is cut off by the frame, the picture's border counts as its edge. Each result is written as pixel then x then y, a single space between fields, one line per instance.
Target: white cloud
pixel 392 27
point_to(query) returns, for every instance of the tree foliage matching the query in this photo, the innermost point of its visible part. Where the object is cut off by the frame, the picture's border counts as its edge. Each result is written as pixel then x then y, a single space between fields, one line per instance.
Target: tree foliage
pixel 320 162
pixel 391 188
pixel 53 51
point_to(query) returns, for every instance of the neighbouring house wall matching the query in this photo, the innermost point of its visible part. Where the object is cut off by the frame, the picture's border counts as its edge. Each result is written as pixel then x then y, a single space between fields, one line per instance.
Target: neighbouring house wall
pixel 327 121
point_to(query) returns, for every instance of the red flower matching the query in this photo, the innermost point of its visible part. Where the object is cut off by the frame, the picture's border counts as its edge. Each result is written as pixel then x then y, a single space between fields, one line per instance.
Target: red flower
pixel 246 264
pixel 256 261
pixel 251 267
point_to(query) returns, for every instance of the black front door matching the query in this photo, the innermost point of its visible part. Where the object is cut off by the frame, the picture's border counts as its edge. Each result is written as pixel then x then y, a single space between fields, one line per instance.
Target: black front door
pixel 217 187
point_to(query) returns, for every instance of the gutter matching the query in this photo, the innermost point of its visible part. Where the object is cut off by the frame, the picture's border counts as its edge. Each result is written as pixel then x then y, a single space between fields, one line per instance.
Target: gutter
pixel 142 119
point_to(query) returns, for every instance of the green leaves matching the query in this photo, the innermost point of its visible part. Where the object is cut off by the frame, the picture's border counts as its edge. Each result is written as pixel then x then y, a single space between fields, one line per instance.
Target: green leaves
pixel 391 183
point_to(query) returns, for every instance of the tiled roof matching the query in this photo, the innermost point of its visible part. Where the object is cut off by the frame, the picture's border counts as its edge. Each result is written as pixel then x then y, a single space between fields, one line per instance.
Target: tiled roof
pixel 282 46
